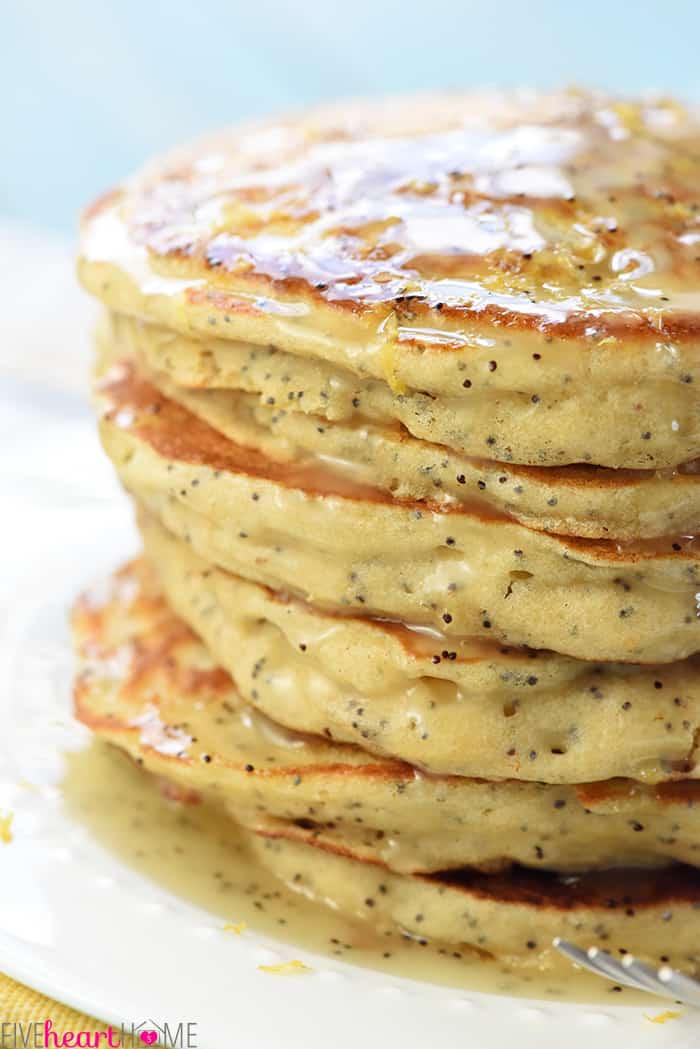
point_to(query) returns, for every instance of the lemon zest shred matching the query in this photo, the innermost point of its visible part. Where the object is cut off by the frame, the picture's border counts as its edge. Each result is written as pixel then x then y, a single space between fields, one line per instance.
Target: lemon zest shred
pixel 237 927
pixel 286 968
pixel 662 1018
pixel 388 359
pixel 6 827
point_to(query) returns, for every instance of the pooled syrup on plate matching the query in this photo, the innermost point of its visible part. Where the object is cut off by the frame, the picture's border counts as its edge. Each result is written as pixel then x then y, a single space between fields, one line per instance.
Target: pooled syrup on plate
pixel 195 853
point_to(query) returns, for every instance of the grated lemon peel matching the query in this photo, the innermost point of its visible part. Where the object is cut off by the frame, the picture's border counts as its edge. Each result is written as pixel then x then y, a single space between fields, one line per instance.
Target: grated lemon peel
pixel 388 359
pixel 236 927
pixel 662 1018
pixel 6 827
pixel 286 968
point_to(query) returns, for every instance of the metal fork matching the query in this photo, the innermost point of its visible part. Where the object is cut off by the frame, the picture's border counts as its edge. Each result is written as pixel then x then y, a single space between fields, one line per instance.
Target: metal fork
pixel 666 982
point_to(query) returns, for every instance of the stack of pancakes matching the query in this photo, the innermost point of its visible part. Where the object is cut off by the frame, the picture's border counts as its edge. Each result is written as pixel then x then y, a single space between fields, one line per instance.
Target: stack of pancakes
pixel 405 395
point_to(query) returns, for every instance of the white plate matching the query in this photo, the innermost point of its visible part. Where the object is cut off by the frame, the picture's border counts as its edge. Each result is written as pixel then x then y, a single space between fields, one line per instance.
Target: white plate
pixel 79 925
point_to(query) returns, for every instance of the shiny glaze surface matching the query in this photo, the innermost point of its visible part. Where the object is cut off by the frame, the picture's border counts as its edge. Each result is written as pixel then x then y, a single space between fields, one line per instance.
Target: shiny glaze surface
pixel 194 852
pixel 572 212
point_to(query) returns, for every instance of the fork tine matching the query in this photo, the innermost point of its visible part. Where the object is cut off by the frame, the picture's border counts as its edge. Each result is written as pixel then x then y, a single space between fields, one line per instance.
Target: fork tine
pixel 593 964
pixel 604 963
pixel 570 950
pixel 664 982
pixel 683 987
pixel 645 975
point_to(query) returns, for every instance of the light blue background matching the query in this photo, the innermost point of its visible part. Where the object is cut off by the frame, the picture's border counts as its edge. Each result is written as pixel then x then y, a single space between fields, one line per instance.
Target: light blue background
pixel 89 88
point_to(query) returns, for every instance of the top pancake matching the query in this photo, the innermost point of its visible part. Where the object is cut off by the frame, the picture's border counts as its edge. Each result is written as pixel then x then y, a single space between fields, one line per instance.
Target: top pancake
pixel 448 245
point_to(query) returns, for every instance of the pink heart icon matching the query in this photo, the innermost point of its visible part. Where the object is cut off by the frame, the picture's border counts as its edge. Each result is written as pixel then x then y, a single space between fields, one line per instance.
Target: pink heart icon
pixel 149 1037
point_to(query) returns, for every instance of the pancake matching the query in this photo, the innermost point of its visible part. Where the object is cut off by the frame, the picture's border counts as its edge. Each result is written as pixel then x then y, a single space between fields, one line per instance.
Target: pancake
pixel 469 709
pixel 521 269
pixel 283 406
pixel 404 395
pixel 349 547
pixel 513 916
pixel 147 684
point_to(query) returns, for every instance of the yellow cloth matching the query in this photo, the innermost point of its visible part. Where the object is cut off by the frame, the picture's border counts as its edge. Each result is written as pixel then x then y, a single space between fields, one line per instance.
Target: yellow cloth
pixel 20 1004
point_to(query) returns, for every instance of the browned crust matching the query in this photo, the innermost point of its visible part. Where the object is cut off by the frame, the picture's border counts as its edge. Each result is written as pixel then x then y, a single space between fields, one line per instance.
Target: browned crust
pixel 176 433
pixel 135 405
pixel 588 328
pixel 288 832
pixel 624 889
pixel 114 727
pixel 679 792
pixel 361 206
pixel 153 654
